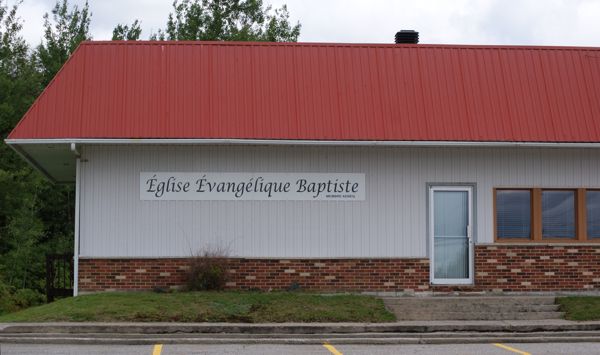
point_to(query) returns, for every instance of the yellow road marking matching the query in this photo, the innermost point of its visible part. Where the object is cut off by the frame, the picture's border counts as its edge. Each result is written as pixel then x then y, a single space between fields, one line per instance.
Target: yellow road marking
pixel 505 347
pixel 331 349
pixel 157 349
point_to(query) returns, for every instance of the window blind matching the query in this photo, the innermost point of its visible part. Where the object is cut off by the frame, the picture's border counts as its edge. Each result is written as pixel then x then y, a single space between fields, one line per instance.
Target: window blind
pixel 593 213
pixel 513 213
pixel 558 214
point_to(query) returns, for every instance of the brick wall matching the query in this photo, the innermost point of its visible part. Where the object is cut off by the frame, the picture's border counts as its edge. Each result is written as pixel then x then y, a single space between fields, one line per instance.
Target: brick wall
pixel 130 274
pixel 497 268
pixel 332 274
pixel 537 267
pixel 264 274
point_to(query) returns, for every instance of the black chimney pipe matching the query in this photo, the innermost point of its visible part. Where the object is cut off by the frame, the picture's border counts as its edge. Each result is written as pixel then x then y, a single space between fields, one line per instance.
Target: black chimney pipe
pixel 407 36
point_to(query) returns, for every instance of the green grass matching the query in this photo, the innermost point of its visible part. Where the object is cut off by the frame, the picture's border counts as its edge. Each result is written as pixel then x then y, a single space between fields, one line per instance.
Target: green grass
pixel 580 307
pixel 247 307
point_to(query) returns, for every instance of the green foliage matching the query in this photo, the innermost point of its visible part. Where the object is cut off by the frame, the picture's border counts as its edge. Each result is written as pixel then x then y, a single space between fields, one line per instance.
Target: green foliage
pixel 228 20
pixel 18 78
pixel 126 33
pixel 250 307
pixel 35 215
pixel 279 29
pixel 13 51
pixel 62 34
pixel 12 300
pixel 208 270
pixel 580 308
pixel 25 298
pixel 6 303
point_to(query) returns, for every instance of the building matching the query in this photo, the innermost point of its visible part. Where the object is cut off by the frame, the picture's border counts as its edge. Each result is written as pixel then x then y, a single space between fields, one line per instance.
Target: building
pixel 366 167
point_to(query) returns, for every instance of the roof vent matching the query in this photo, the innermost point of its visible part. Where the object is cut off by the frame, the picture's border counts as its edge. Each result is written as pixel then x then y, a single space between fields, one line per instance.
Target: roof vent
pixel 407 36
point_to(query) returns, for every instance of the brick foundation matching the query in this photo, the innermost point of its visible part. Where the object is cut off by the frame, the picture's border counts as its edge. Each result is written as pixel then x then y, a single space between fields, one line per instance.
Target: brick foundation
pixel 497 268
pixel 537 267
pixel 264 274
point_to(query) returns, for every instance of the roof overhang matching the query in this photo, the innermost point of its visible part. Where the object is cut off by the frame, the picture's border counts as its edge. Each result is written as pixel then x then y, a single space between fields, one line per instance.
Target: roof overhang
pixel 55 158
pixel 243 141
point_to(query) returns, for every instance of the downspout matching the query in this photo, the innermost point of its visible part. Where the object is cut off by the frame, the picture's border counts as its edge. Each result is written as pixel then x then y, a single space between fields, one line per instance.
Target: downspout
pixel 76 234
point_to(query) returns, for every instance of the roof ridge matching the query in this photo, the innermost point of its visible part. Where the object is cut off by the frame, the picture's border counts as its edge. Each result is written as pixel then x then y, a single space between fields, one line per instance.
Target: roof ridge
pixel 334 44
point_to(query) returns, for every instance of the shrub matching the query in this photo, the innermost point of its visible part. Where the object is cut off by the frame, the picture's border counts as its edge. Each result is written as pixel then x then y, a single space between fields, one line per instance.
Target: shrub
pixel 26 297
pixel 208 269
pixel 6 301
pixel 12 300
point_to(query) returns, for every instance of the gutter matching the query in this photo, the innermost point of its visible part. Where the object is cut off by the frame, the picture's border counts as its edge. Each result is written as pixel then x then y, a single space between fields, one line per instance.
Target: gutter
pixel 359 143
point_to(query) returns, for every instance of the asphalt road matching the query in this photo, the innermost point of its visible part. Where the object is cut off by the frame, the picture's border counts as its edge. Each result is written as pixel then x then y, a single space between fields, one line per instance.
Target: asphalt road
pixel 458 349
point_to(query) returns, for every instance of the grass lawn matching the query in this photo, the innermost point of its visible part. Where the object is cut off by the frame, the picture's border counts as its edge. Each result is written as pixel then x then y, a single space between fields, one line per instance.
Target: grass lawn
pixel 580 307
pixel 248 307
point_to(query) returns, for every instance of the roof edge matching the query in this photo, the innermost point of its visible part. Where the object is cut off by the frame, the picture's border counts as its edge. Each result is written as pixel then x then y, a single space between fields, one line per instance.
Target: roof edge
pixel 46 89
pixel 236 141
pixel 335 44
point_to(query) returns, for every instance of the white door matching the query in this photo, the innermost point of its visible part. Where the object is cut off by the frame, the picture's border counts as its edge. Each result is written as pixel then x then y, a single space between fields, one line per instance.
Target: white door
pixel 450 229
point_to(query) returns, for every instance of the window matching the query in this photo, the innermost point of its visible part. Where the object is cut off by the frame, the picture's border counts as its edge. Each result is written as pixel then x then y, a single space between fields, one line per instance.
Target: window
pixel 558 214
pixel 513 213
pixel 547 215
pixel 592 199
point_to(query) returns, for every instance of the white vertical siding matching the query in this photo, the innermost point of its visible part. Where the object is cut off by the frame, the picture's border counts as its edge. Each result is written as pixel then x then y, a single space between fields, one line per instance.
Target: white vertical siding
pixel 390 223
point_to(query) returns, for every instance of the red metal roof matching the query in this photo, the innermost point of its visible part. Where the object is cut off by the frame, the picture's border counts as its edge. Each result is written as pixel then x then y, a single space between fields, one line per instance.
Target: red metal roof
pixel 308 91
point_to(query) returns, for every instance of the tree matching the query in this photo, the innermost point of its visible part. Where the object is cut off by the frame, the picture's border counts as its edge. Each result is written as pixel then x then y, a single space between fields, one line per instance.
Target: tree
pixel 126 33
pixel 17 76
pixel 20 227
pixel 278 27
pixel 68 27
pixel 228 20
pixel 36 216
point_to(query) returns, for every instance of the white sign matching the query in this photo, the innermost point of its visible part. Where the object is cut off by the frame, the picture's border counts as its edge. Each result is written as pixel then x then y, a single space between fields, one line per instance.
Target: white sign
pixel 252 186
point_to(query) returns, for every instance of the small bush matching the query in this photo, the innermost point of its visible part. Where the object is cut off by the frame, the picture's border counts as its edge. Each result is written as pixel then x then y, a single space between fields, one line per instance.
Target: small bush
pixel 12 300
pixel 26 297
pixel 6 300
pixel 208 270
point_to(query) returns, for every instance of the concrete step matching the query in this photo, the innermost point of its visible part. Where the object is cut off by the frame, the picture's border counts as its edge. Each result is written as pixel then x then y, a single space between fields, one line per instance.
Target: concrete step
pixel 299 339
pixel 473 308
pixel 477 316
pixel 440 334
pixel 507 300
pixel 265 329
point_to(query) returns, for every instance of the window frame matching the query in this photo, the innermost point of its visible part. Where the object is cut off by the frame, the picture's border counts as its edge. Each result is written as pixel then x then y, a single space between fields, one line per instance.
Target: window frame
pixel 584 225
pixel 536 216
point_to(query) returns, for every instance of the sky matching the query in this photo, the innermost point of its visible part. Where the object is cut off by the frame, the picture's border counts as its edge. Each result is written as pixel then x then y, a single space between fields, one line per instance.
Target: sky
pixel 493 22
